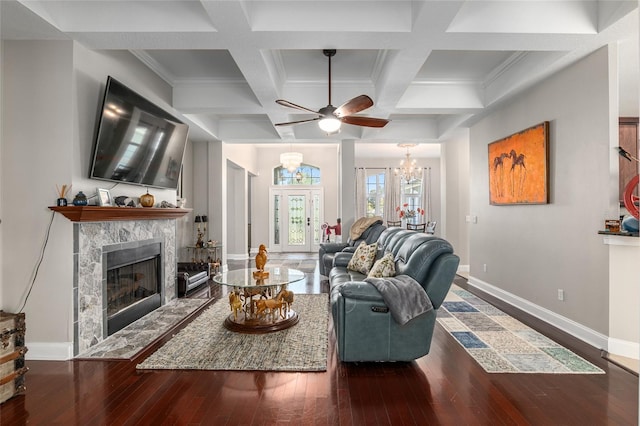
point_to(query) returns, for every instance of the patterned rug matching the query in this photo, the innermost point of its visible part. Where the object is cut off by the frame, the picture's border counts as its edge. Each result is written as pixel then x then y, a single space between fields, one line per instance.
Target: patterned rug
pixel 205 344
pixel 502 344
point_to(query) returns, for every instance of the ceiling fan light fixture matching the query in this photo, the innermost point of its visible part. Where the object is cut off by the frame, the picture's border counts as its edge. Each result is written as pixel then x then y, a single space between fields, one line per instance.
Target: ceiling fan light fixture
pixel 291 160
pixel 329 125
pixel 330 118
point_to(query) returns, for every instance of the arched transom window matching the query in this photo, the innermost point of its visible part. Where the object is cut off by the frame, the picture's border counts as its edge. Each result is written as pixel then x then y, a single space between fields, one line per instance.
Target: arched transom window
pixel 303 175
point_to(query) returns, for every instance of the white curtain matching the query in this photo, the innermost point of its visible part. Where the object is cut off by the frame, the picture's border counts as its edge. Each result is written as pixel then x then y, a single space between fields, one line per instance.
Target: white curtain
pixel 392 196
pixel 361 192
pixel 426 193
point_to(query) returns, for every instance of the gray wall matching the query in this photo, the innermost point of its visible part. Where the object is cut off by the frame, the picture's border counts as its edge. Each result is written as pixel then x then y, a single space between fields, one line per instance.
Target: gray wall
pixel 531 251
pixel 455 196
pixel 37 154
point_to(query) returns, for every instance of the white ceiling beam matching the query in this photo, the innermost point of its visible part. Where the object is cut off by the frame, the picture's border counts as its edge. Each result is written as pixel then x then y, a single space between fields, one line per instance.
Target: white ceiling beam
pixel 135 16
pixel 255 128
pixel 449 124
pixel 203 95
pixel 302 16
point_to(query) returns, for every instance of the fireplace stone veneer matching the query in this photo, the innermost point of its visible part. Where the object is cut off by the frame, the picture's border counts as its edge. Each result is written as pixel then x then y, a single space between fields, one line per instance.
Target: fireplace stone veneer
pixel 92 241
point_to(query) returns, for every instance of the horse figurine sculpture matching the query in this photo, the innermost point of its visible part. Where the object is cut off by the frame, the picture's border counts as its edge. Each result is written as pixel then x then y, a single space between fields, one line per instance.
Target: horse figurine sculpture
pixel 235 303
pixel 256 291
pixel 272 304
pixel 286 296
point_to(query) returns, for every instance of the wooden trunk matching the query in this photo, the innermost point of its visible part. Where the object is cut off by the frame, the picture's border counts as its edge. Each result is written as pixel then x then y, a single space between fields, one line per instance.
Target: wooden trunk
pixel 12 350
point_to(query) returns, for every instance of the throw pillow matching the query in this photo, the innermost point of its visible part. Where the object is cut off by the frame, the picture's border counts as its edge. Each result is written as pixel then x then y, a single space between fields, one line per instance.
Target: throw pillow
pixel 384 267
pixel 363 258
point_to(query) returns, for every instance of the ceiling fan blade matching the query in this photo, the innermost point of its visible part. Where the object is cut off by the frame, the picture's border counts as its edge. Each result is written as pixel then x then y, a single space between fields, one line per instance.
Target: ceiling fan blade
pixel 354 106
pixel 294 106
pixel 290 123
pixel 364 121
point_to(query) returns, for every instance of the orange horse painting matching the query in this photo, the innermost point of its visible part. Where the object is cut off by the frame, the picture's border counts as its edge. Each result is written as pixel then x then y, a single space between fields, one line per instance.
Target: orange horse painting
pixel 518 167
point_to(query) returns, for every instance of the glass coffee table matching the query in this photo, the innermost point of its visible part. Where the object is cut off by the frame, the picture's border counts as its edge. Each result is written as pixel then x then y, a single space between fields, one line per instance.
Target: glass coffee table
pixel 260 305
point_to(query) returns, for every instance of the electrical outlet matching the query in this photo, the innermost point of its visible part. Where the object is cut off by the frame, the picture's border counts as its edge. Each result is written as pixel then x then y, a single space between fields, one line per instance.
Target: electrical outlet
pixel 484 267
pixel 560 294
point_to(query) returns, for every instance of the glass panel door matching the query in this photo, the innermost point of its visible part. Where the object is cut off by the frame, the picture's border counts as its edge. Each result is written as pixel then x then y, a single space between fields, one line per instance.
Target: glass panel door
pixel 297 234
pixel 295 219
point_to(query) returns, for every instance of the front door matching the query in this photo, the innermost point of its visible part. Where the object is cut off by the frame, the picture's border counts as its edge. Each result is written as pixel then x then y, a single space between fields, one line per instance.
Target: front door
pixel 295 220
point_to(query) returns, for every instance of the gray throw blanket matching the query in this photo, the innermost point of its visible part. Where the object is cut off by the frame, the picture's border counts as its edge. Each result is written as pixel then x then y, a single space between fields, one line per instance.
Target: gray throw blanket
pixel 404 296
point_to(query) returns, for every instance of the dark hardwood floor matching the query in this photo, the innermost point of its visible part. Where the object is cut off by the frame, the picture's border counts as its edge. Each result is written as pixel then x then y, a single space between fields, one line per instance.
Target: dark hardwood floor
pixel 445 387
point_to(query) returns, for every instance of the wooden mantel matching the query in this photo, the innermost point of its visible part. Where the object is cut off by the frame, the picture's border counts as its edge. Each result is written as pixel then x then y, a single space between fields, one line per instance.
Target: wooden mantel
pixel 104 214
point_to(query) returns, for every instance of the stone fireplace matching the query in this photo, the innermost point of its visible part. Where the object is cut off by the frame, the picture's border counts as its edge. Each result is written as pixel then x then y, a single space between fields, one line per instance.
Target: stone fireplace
pixel 135 260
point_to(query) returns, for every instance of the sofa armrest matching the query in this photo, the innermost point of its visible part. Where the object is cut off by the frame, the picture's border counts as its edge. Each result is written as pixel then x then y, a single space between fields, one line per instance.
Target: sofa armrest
pixel 342 259
pixel 349 249
pixel 332 247
pixel 441 276
pixel 360 290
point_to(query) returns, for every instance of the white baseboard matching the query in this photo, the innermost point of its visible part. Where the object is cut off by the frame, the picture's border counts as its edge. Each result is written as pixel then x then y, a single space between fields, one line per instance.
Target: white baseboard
pixel 38 351
pixel 592 337
pixel 624 348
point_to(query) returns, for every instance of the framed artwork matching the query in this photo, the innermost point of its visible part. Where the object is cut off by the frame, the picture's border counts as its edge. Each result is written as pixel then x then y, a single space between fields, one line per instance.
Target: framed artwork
pixel 519 167
pixel 104 197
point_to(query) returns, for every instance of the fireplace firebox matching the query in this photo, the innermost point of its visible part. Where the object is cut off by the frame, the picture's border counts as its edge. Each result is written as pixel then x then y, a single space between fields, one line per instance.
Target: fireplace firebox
pixel 133 285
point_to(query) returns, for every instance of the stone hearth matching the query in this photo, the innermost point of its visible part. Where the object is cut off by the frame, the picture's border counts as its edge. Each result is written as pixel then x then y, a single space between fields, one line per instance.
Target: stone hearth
pixel 92 240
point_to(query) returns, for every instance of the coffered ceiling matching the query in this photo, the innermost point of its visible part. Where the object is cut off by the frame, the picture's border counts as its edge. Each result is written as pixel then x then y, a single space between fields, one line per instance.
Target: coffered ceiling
pixel 431 67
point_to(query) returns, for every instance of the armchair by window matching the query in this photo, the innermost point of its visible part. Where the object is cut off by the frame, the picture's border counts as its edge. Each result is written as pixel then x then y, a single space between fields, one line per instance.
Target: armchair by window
pixel 327 251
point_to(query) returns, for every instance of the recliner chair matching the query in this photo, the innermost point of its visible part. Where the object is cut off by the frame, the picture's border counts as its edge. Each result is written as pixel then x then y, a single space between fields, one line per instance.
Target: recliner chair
pixel 327 251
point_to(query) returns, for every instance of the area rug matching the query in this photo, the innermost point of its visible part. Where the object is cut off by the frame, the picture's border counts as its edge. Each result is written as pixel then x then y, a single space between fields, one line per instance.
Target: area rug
pixel 502 344
pixel 205 344
pixel 126 343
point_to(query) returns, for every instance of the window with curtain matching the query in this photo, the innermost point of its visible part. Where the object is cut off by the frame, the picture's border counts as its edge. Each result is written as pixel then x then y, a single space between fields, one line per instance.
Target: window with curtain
pixel 411 193
pixel 375 192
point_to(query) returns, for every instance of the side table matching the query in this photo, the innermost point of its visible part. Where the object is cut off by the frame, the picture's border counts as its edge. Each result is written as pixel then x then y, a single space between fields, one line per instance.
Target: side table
pixel 208 254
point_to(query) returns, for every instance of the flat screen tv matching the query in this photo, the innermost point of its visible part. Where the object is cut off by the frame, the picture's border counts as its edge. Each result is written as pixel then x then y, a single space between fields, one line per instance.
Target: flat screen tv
pixel 136 141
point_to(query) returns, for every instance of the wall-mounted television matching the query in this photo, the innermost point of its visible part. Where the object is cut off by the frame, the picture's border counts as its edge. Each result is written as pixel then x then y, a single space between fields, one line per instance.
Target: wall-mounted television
pixel 136 141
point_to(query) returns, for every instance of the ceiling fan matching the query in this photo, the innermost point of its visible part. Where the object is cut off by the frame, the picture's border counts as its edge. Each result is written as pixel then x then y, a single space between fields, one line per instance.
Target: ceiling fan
pixel 330 118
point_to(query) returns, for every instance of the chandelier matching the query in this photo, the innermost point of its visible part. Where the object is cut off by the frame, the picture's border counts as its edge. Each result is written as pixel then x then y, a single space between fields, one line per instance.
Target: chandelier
pixel 291 160
pixel 408 170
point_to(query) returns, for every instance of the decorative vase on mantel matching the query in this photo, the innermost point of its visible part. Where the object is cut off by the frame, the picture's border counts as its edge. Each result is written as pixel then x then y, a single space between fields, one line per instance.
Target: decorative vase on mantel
pixel 147 200
pixel 80 199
